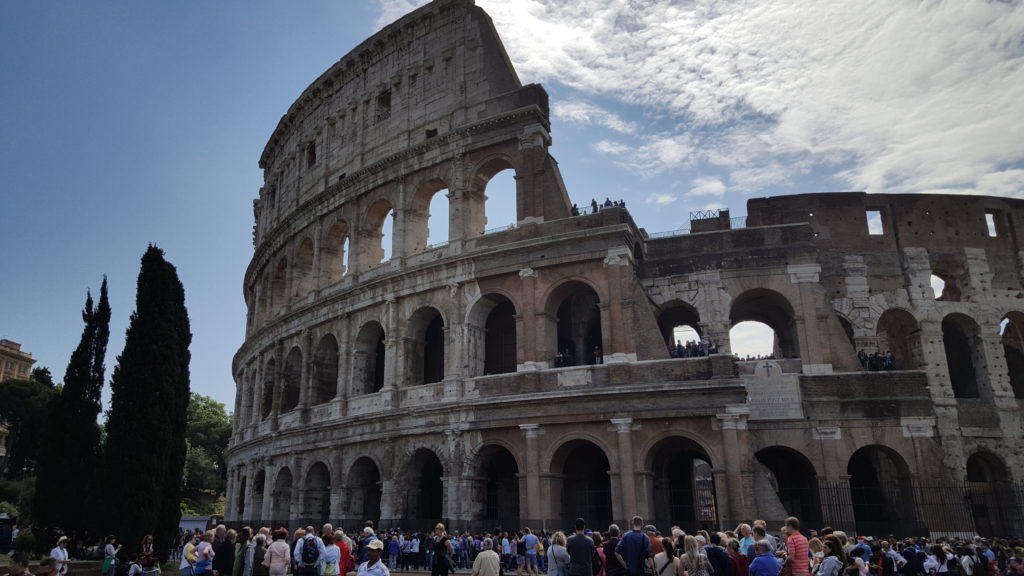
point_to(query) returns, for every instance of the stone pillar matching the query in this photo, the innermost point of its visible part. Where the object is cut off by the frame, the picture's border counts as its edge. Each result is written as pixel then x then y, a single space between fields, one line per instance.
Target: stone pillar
pixel 626 505
pixel 277 383
pixel 732 423
pixel 269 479
pixel 306 374
pixel 806 279
pixel 533 493
pixel 389 501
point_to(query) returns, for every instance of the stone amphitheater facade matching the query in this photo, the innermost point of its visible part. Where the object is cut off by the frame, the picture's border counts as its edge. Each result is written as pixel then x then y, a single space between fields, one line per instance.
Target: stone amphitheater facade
pixel 425 387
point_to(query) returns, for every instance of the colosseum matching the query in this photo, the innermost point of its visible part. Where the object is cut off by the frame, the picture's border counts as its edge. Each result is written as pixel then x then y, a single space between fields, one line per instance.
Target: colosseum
pixel 522 376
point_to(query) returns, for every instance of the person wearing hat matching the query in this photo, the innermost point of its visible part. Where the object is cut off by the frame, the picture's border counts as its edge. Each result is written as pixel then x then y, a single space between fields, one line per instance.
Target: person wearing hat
pixel 60 554
pixel 373 566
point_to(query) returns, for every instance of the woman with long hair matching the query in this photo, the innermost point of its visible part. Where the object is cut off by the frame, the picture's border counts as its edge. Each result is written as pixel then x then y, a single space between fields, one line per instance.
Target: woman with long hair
pixel 278 556
pixel 692 561
pixel 558 556
pixel 665 562
pixel 442 552
pixel 833 560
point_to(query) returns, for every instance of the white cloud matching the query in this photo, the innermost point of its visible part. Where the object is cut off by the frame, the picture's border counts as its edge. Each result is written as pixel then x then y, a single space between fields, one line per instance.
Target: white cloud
pixel 707 187
pixel 886 96
pixel 579 112
pixel 660 199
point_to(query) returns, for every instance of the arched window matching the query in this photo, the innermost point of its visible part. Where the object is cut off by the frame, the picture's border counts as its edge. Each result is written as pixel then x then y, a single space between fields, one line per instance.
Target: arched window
pixel 1012 331
pixel 965 357
pixel 679 324
pixel 279 286
pixel 492 333
pixel 583 469
pixel 899 334
pixel 292 376
pixel 302 281
pixel 792 478
pixel 267 400
pixel 881 492
pixel 368 360
pixel 495 206
pixel 282 498
pixel 498 474
pixel 427 220
pixel 334 251
pixel 578 338
pixel 770 309
pixel 325 370
pixel 376 242
pixel 317 495
pixel 684 487
pixel 425 488
pixel 426 347
pixel 364 491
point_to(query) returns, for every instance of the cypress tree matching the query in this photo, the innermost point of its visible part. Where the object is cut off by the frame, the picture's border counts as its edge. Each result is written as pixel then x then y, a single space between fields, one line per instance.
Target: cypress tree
pixel 71 446
pixel 140 476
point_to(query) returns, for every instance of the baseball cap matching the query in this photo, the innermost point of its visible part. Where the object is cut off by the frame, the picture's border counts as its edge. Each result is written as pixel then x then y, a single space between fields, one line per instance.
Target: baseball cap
pixel 375 544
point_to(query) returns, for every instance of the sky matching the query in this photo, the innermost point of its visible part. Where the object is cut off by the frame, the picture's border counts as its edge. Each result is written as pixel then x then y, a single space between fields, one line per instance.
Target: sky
pixel 130 123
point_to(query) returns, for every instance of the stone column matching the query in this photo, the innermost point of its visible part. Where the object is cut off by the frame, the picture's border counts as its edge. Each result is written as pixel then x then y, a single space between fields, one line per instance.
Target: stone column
pixel 269 478
pixel 732 423
pixel 626 506
pixel 533 494
pixel 277 381
pixel 389 513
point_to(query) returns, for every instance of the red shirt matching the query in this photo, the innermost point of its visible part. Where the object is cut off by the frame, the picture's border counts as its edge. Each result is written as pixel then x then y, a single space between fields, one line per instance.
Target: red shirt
pixel 796 544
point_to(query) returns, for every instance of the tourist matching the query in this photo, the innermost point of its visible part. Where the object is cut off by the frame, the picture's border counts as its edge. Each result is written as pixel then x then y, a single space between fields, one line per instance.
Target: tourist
pixel 581 551
pixel 558 556
pixel 859 558
pixel 833 560
pixel 205 553
pixel 530 542
pixel 764 563
pixel 393 549
pixel 373 565
pixel 332 556
pixel 188 555
pixel 717 555
pixel 259 553
pixel 740 563
pixel 110 555
pixel 746 541
pixel 665 562
pixel 279 555
pixel 936 560
pixel 347 563
pixel 60 554
pixel 309 552
pixel 634 549
pixel 18 565
pixel 612 565
pixel 224 560
pixel 692 562
pixel 47 567
pixel 796 547
pixel 599 549
pixel 487 562
pixel 442 552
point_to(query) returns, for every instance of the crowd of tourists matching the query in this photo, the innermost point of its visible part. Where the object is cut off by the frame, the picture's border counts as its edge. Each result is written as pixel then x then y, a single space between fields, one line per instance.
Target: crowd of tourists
pixel 692 348
pixel 596 206
pixel 749 550
pixel 876 362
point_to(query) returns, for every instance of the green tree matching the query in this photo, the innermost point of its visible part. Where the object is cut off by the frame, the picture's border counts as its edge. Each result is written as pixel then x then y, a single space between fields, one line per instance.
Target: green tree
pixel 42 375
pixel 72 445
pixel 209 429
pixel 144 455
pixel 23 407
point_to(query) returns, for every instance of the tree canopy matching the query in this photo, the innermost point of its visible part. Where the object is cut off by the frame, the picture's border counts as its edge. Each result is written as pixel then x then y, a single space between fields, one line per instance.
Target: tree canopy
pixel 209 429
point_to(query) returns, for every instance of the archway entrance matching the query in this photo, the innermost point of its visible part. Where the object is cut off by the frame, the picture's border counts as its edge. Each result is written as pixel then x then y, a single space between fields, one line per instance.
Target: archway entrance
pixel 364 492
pixel 679 324
pixel 426 347
pixel 292 375
pixel 500 339
pixel 255 515
pixel 993 502
pixel 578 333
pixel 586 484
pixel 316 505
pixel 500 483
pixel 899 334
pixel 240 503
pixel 424 497
pixel 786 485
pixel 1012 331
pixel 281 512
pixel 683 486
pixel 881 492
pixel 325 370
pixel 368 360
pixel 965 358
pixel 772 309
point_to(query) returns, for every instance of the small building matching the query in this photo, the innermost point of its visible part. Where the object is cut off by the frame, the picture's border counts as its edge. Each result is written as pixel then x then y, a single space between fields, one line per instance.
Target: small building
pixel 14 364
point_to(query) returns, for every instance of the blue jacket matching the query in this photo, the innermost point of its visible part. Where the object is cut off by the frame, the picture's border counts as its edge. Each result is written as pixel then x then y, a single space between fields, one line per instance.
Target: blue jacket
pixel 764 565
pixel 635 549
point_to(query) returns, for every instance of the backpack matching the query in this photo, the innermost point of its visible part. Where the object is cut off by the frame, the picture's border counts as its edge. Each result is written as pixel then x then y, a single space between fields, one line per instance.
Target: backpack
pixel 310 552
pixel 981 566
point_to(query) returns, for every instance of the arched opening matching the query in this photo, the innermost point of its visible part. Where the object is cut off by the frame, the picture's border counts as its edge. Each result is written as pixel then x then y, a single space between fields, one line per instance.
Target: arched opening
pixel 965 356
pixel 426 221
pixel 586 484
pixel 496 203
pixel 938 286
pixel 292 376
pixel 375 243
pixel 683 487
pixel 753 340
pixel 785 484
pixel 426 346
pixel 279 286
pixel 773 310
pixel 264 298
pixel 302 283
pixel 282 499
pixel 992 498
pixel 425 493
pixel 899 335
pixel 1013 350
pixel 679 324
pixel 240 502
pixel 578 337
pixel 325 370
pixel 259 484
pixel 333 251
pixel 949 277
pixel 316 505
pixel 267 400
pixel 881 492
pixel 500 338
pixel 368 360
pixel 499 472
pixel 364 491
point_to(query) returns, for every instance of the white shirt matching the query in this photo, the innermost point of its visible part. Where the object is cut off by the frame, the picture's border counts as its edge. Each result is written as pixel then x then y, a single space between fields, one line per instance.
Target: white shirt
pixel 60 554
pixel 378 569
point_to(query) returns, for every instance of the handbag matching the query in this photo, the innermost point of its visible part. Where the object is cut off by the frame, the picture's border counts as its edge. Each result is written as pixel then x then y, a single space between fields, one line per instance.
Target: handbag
pixel 787 567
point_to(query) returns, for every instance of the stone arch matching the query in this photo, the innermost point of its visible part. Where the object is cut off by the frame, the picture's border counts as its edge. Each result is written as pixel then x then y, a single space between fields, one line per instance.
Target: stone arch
pixel 1012 333
pixel 492 319
pixel 899 333
pixel 334 250
pixel 953 273
pixel 994 506
pixel 369 357
pixel 681 483
pixel 282 498
pixel 772 309
pixel 476 205
pixel 576 334
pixel 418 219
pixel 676 314
pixel 786 485
pixel 259 483
pixel 984 466
pixel 291 379
pixel 325 370
pixel 316 501
pixel 267 398
pixel 279 286
pixel 364 490
pixel 371 248
pixel 497 471
pixel 881 492
pixel 303 280
pixel 263 300
pixel 965 356
pixel 581 475
pixel 424 490
pixel 240 498
pixel 425 346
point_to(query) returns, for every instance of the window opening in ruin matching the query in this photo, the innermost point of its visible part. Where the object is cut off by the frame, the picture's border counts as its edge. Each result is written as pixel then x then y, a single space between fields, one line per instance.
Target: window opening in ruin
pixel 259 484
pixel 679 324
pixel 240 503
pixel 316 502
pixel 334 252
pixel 267 399
pixel 383 106
pixel 938 286
pixel 433 351
pixel 387 235
pixel 990 223
pixel 500 339
pixel 961 339
pixel 881 493
pixel 987 476
pixel 364 490
pixel 500 202
pixel 899 334
pixel 368 360
pixel 1010 329
pixel 325 370
pixel 579 329
pixel 282 499
pixel 311 155
pixel 437 220
pixel 425 496
pixel 501 487
pixel 586 484
pixel 683 484
pixel 292 376
pixel 786 480
pixel 874 218
pixel 278 287
pixel 431 132
pixel 752 341
pixel 302 271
